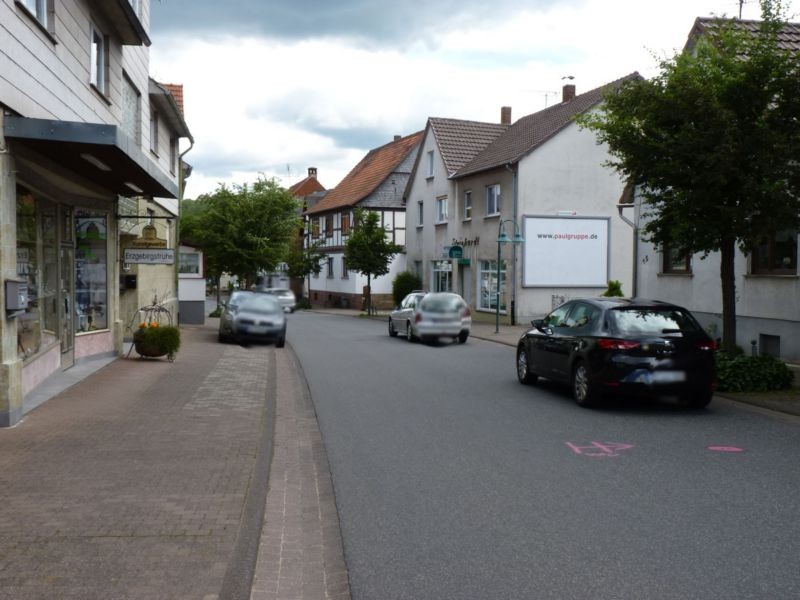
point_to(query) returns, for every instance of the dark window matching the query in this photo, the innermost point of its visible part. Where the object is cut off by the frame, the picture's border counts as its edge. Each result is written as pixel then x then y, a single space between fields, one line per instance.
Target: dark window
pixel 676 261
pixel 345 223
pixel 558 318
pixel 582 315
pixel 328 225
pixel 776 255
pixel 652 321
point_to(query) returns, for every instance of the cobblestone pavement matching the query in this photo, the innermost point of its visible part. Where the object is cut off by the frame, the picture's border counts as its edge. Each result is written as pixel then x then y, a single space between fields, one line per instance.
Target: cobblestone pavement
pixel 301 552
pixel 134 482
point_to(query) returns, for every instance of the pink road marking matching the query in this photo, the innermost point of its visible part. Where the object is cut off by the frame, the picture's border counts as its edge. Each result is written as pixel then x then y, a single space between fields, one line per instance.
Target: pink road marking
pixel 599 448
pixel 725 449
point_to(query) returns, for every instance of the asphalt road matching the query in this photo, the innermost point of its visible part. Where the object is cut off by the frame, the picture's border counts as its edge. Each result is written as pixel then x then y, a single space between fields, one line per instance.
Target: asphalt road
pixel 452 480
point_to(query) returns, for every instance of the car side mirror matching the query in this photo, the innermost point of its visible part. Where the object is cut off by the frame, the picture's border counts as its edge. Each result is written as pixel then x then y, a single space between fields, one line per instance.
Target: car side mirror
pixel 538 323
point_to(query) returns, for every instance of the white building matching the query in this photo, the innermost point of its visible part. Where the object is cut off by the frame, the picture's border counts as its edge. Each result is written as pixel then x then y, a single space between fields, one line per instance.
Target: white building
pixel 542 178
pixel 376 183
pixel 77 133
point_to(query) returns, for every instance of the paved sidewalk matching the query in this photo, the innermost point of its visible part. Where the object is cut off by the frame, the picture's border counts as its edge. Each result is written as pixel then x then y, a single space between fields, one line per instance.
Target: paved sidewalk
pixel 148 480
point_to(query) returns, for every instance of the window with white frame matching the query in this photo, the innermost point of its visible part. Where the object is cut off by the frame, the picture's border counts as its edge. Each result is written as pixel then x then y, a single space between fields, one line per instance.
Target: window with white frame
pixel 419 214
pixel 40 10
pixel 487 282
pixel 98 70
pixel 468 205
pixel 153 130
pixel 492 199
pixel 442 276
pixel 430 164
pixel 345 272
pixel 330 267
pixel 441 209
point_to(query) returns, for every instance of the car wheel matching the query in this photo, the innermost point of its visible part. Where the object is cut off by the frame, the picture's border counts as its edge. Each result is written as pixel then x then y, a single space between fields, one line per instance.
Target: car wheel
pixel 583 391
pixel 697 400
pixel 221 338
pixel 281 341
pixel 392 331
pixel 462 337
pixel 410 334
pixel 523 373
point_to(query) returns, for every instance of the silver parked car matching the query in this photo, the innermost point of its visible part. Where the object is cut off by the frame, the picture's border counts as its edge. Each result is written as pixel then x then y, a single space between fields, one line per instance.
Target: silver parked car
pixel 284 295
pixel 432 316
pixel 253 318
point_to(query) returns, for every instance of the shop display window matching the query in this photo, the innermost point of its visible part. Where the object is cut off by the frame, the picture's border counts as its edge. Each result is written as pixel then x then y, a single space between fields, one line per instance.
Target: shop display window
pixel 487 279
pixel 91 270
pixel 37 266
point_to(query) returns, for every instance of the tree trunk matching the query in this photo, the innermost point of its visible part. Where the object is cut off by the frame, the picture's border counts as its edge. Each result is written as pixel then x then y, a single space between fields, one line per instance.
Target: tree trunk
pixel 369 294
pixel 218 290
pixel 728 280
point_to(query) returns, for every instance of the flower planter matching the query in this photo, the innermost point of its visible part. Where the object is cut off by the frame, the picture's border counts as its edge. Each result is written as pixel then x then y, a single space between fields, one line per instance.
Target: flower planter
pixel 152 341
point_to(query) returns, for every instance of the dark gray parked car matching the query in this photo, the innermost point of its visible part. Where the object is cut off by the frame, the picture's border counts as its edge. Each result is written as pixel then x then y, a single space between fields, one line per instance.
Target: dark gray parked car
pixel 253 318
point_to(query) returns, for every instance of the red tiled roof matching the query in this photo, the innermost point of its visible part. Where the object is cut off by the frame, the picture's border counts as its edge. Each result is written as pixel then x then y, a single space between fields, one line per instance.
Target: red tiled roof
pixel 306 186
pixel 176 89
pixel 368 174
pixel 459 141
pixel 531 131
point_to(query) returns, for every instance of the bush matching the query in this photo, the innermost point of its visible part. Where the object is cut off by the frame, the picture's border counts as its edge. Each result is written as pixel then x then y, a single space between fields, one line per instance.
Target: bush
pixel 216 313
pixel 154 340
pixel 405 283
pixel 740 373
pixel 303 303
pixel 614 289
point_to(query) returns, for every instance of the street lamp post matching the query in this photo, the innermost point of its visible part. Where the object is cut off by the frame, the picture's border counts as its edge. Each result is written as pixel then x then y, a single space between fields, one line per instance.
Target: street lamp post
pixel 502 238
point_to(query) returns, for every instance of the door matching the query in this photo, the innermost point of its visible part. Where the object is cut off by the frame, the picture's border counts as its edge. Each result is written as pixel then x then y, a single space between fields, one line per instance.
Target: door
pixel 66 306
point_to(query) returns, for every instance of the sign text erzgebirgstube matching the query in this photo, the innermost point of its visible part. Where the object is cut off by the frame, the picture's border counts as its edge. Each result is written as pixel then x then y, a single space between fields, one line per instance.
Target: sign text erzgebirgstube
pixel 150 256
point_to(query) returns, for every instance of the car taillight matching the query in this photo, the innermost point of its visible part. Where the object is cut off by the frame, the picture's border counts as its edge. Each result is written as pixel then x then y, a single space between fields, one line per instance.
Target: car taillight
pixel 612 344
pixel 709 345
pixel 418 318
pixel 466 312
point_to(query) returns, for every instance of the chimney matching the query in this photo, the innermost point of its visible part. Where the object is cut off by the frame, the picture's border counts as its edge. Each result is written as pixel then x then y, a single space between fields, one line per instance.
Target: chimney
pixel 568 92
pixel 505 115
pixel 312 172
pixel 397 137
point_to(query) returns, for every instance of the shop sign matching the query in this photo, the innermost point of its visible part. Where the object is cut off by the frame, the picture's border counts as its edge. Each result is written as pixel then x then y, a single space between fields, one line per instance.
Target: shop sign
pixel 456 252
pixel 149 256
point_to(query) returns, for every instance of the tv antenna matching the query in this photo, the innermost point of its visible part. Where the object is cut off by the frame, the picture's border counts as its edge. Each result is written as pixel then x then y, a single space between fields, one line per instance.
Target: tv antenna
pixel 546 94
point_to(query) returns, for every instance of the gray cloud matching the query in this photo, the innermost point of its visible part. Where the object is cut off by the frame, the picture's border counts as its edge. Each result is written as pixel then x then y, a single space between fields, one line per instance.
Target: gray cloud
pixel 374 22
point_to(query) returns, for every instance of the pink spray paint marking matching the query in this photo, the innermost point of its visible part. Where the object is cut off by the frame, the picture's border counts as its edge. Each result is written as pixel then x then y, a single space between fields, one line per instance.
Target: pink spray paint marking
pixel 599 448
pixel 725 449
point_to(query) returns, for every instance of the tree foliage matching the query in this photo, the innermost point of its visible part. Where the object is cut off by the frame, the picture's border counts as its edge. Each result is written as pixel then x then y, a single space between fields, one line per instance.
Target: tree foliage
pixel 712 142
pixel 242 229
pixel 367 250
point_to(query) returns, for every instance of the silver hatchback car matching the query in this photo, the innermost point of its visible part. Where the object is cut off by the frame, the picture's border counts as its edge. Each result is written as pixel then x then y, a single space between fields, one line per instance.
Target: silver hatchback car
pixel 431 316
pixel 285 296
pixel 254 318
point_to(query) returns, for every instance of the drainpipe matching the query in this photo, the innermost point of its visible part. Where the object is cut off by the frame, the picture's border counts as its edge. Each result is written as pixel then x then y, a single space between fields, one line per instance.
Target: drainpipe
pixel 635 228
pixel 515 188
pixel 178 231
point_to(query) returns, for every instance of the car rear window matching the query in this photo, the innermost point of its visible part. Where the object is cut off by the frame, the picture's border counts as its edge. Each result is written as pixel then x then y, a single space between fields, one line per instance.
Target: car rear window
pixel 653 320
pixel 441 303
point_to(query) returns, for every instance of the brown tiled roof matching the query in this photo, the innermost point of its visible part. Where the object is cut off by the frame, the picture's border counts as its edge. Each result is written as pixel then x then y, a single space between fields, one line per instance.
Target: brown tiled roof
pixel 532 131
pixel 368 174
pixel 788 36
pixel 459 141
pixel 306 186
pixel 176 89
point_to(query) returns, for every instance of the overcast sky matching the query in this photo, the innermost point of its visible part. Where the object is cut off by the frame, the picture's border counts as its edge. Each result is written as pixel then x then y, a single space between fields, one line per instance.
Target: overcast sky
pixel 278 86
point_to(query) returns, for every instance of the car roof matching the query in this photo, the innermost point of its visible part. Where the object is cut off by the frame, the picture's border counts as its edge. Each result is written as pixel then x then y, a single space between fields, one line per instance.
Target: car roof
pixel 619 302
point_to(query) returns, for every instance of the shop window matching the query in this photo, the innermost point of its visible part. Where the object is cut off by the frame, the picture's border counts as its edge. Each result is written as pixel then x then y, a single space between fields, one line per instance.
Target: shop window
pixel 189 263
pixel 37 265
pixel 487 278
pixel 91 271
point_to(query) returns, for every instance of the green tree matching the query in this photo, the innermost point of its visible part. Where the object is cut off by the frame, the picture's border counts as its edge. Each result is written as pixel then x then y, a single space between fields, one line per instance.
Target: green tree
pixel 367 251
pixel 712 142
pixel 305 261
pixel 242 229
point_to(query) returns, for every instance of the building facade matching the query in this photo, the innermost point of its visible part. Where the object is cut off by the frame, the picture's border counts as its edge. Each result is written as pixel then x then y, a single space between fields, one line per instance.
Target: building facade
pixel 541 179
pixel 376 183
pixel 78 133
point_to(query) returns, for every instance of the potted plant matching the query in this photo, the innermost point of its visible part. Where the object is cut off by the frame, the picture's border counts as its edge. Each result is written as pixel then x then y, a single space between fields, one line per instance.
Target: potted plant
pixel 153 340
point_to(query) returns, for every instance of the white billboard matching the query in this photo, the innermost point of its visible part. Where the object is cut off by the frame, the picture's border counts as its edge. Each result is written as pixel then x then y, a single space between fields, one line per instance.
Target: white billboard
pixel 565 252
